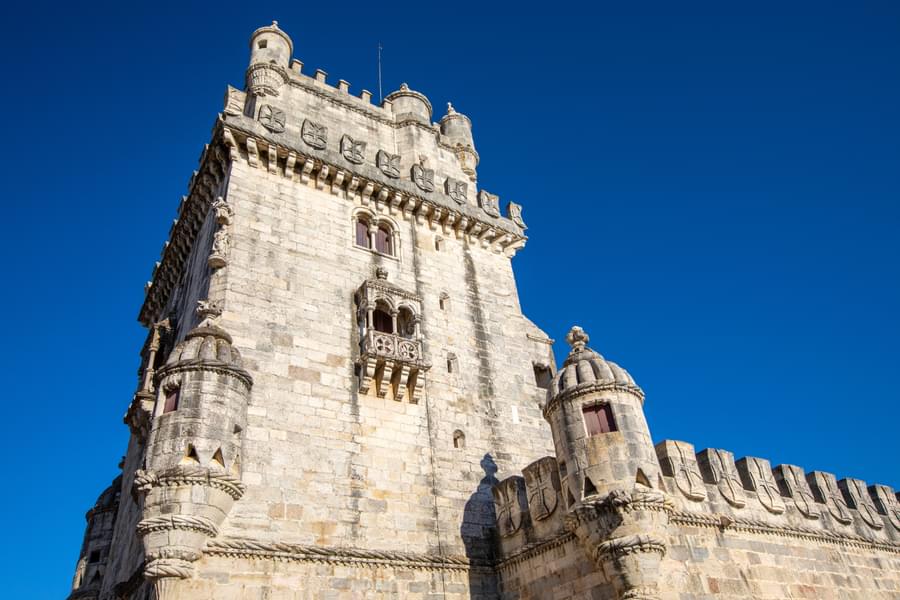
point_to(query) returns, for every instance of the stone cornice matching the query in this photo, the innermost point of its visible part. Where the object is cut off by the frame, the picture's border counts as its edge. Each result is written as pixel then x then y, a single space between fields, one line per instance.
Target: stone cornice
pixel 257 549
pixel 202 364
pixel 729 523
pixel 306 163
pixel 589 388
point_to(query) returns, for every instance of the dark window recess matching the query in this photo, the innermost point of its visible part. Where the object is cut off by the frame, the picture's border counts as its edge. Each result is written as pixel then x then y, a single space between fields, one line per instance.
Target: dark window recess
pixel 362 234
pixel 171 401
pixel 95 556
pixel 382 322
pixel 383 241
pixel 542 376
pixel 599 419
pixel 262 44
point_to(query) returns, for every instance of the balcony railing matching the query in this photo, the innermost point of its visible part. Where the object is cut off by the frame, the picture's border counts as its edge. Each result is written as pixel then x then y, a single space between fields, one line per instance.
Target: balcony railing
pixel 388 345
pixel 391 362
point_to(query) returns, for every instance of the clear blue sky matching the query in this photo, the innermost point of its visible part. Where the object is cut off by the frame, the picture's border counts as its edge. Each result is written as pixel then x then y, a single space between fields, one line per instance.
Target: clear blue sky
pixel 712 195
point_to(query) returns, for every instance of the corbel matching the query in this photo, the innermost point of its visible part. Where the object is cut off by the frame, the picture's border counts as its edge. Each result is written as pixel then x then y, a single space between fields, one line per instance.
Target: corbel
pixel 396 201
pixel 228 136
pixel 448 221
pixel 273 159
pixel 422 212
pixel 366 193
pixel 322 177
pixel 385 379
pixel 380 199
pixel 289 165
pixel 252 152
pixel 352 185
pixel 308 165
pixel 401 378
pixel 434 218
pixel 336 183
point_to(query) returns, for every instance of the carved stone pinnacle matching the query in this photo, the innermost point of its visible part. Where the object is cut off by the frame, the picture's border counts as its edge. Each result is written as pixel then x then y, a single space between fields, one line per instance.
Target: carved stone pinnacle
pixel 577 338
pixel 207 309
pixel 381 273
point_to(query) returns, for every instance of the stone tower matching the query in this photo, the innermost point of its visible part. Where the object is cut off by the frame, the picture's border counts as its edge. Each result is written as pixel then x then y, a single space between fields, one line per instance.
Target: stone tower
pixel 338 385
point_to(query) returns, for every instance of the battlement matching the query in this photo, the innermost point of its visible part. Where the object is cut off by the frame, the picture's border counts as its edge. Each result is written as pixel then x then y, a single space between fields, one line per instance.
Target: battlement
pixel 711 489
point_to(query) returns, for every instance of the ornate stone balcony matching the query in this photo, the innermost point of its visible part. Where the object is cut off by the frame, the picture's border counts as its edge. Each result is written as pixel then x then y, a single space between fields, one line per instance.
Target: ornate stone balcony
pixel 391 361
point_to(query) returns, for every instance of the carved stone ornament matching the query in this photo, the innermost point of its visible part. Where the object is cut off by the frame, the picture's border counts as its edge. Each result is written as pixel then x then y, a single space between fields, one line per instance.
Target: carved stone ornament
pixel 224 212
pixel 825 488
pixel 719 468
pixel 314 134
pixel 678 461
pixel 757 475
pixel 353 150
pixel 542 483
pixel 514 212
pixel 388 163
pixel 887 503
pixel 456 190
pixel 489 203
pixel 423 178
pixel 272 118
pixel 792 481
pixel 217 257
pixel 858 497
pixel 509 497
pixel 234 101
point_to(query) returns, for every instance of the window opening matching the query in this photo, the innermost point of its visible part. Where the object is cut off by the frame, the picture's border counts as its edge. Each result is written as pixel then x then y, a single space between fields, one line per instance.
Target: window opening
pixel 383 241
pixel 382 322
pixel 542 376
pixel 171 403
pixel 599 419
pixel 362 234
pixel 459 439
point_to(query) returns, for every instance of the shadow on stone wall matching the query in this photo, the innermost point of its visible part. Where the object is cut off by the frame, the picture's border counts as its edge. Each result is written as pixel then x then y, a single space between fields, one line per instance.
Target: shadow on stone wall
pixel 477 532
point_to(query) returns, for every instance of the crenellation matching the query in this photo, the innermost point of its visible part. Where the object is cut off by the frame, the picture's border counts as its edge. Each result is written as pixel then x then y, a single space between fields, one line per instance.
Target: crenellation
pixel 355 398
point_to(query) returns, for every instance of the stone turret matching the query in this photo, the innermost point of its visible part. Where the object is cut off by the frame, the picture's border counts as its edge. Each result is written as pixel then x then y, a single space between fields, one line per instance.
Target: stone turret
pixel 270 56
pixel 456 128
pixel 608 469
pixel 192 467
pixel 410 105
pixel 95 549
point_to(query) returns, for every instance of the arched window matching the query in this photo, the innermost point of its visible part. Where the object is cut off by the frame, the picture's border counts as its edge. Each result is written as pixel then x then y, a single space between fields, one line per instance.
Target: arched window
pixel 382 321
pixel 459 439
pixel 383 241
pixel 406 323
pixel 362 234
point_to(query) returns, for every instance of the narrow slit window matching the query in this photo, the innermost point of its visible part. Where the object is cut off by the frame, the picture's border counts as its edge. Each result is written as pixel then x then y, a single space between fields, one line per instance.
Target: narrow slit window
pixel 542 376
pixel 599 419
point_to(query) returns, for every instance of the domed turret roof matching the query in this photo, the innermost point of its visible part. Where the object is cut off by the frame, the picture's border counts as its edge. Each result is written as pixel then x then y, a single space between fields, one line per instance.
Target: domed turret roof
pixel 206 342
pixel 585 369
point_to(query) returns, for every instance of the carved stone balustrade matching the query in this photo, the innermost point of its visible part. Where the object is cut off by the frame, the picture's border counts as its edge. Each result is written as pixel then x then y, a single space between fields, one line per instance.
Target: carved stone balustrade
pixel 392 362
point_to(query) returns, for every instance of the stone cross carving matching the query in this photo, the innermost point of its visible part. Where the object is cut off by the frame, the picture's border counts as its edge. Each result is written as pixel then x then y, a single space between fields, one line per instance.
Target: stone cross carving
pixel 514 212
pixel 857 495
pixel 678 461
pixel 887 503
pixel 489 203
pixel 314 134
pixel 757 475
pixel 456 190
pixel 423 178
pixel 824 487
pixel 272 118
pixel 542 483
pixel 719 468
pixel 792 482
pixel 388 163
pixel 509 501
pixel 353 150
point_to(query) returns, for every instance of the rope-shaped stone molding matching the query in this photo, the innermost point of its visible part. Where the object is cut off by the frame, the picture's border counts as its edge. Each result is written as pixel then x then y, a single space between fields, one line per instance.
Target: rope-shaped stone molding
pixel 254 549
pixel 144 481
pixel 758 526
pixel 168 567
pixel 190 522
pixel 632 544
pixel 537 549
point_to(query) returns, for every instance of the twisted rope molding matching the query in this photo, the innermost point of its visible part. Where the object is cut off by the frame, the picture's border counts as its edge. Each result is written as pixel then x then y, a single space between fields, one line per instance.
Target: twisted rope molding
pixel 144 481
pixel 632 544
pixel 533 550
pixel 761 527
pixel 168 567
pixel 254 549
pixel 190 522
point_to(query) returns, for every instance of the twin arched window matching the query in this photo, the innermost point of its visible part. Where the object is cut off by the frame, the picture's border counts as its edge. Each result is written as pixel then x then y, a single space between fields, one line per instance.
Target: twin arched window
pixel 375 237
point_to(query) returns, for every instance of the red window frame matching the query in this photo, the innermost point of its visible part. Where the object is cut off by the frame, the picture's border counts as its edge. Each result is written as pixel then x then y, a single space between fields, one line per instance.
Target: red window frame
pixel 171 403
pixel 362 234
pixel 599 419
pixel 383 242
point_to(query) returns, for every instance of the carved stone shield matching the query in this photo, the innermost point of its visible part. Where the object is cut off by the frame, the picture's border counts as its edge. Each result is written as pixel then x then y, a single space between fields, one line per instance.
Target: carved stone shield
pixel 887 503
pixel 757 475
pixel 542 484
pixel 858 497
pixel 514 212
pixel 824 487
pixel 388 163
pixel 354 151
pixel 509 499
pixel 456 190
pixel 271 118
pixel 314 134
pixel 791 480
pixel 423 178
pixel 489 203
pixel 720 469
pixel 678 461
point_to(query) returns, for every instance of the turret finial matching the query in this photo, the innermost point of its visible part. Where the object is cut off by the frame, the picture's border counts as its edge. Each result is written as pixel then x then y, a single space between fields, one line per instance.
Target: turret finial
pixel 275 24
pixel 450 109
pixel 577 338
